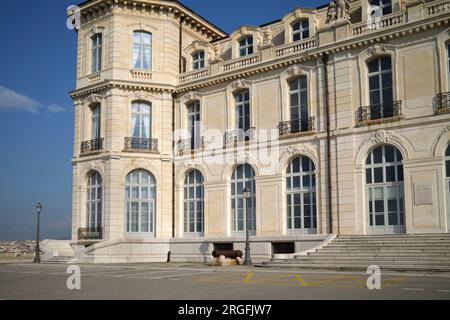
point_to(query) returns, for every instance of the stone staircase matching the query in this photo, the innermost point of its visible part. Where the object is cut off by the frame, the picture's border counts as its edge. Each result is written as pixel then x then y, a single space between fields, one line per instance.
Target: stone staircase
pixel 422 253
pixel 56 251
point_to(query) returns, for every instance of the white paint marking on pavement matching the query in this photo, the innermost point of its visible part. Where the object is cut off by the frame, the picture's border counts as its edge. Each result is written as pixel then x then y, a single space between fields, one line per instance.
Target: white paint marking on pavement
pixel 177 275
pixel 137 275
pixel 444 291
pixel 101 273
pixel 413 289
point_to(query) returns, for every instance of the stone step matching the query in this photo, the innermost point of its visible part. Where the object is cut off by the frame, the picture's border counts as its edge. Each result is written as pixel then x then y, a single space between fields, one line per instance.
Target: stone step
pixel 358 267
pixel 380 259
pixel 398 247
pixel 359 262
pixel 382 254
pixel 383 251
pixel 396 236
pixel 400 241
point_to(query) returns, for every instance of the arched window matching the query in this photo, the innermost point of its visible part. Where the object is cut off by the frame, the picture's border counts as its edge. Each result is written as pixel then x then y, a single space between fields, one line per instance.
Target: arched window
pixel 194 118
pixel 243 111
pixel 194 204
pixel 141 120
pixel 96 117
pixel 243 177
pixel 94 202
pixel 140 192
pixel 380 88
pixel 198 60
pixel 301 196
pixel 142 50
pixel 246 46
pixel 380 8
pixel 97 44
pixel 385 190
pixel 298 94
pixel 300 30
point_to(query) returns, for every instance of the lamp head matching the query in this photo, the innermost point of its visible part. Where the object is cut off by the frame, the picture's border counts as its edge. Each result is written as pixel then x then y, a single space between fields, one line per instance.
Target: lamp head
pixel 246 193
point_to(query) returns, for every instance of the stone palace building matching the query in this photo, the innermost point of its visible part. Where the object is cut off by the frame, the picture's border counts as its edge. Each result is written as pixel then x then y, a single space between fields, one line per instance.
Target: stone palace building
pixel 336 119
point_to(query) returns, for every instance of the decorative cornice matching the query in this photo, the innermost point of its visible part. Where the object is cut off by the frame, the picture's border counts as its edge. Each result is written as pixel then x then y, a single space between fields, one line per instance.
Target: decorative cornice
pixel 370 39
pixel 93 10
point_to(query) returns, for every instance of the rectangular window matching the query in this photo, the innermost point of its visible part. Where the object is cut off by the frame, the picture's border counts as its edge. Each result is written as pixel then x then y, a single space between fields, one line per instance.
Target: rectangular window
pixel 246 46
pixel 198 60
pixel 243 111
pixel 96 53
pixel 96 123
pixel 142 50
pixel 300 30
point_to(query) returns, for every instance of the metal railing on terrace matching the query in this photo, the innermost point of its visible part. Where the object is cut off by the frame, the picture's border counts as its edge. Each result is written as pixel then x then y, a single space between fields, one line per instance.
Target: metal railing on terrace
pixel 441 103
pixel 296 126
pixel 91 146
pixel 141 145
pixel 381 111
pixel 85 234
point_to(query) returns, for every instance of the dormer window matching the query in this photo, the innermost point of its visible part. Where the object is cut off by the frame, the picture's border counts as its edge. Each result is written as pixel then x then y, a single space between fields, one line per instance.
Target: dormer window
pixel 198 60
pixel 246 46
pixel 379 8
pixel 300 30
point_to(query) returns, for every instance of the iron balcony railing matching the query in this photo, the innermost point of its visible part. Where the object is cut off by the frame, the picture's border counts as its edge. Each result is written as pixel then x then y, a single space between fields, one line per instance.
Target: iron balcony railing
pixel 141 144
pixel 189 145
pixel 379 111
pixel 239 135
pixel 441 103
pixel 90 233
pixel 296 126
pixel 92 146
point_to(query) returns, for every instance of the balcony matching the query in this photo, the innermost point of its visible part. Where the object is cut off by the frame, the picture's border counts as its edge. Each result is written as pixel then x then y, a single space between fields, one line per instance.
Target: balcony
pixel 441 103
pixel 92 146
pixel 377 113
pixel 382 23
pixel 239 135
pixel 90 234
pixel 296 126
pixel 143 145
pixel 188 146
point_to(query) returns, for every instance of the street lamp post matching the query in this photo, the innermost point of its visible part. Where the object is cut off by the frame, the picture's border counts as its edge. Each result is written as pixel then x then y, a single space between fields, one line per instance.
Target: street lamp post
pixel 248 260
pixel 37 257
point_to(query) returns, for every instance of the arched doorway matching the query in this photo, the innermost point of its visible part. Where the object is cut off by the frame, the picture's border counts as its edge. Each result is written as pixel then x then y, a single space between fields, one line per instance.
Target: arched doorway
pixel 301 196
pixel 385 190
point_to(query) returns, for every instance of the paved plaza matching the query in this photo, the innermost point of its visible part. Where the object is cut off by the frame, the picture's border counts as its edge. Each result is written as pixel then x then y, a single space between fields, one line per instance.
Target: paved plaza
pixel 201 282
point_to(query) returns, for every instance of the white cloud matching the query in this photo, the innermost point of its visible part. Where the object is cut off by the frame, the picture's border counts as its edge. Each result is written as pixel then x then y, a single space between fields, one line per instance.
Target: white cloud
pixel 11 100
pixel 54 108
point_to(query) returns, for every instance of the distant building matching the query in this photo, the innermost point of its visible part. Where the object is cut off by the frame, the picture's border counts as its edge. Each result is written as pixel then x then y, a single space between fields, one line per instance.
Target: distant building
pixel 337 119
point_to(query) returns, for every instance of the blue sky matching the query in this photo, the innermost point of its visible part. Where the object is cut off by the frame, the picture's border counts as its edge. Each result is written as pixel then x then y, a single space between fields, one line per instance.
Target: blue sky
pixel 37 71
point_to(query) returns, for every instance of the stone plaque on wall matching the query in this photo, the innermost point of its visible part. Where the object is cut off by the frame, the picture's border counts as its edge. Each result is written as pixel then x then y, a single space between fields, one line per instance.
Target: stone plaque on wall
pixel 423 194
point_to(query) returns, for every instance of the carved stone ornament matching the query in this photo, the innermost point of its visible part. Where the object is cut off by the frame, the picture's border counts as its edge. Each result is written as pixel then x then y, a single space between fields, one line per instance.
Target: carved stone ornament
pixel 240 84
pixel 267 37
pixel 93 98
pixel 380 137
pixel 298 149
pixel 294 70
pixel 217 49
pixel 376 49
pixel 191 96
pixel 338 10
